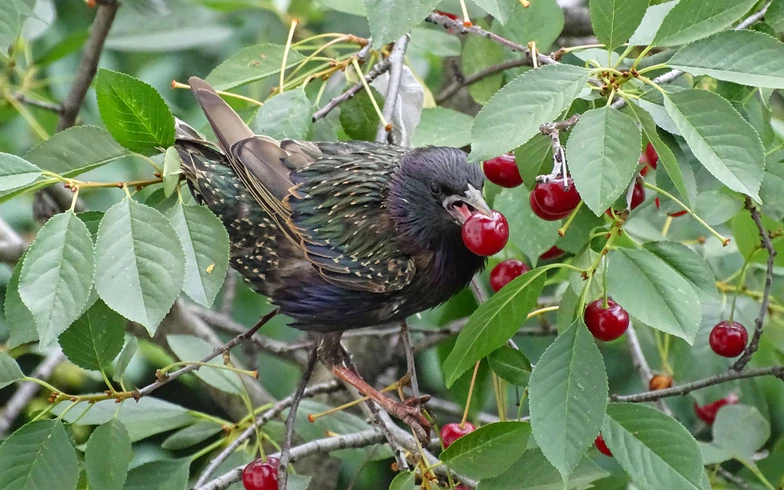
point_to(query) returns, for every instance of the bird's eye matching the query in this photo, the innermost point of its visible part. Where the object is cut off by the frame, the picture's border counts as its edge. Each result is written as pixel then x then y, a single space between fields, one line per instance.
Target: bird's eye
pixel 435 188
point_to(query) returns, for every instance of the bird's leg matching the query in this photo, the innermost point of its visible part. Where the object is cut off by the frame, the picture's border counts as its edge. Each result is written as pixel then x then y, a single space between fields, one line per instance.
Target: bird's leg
pixel 337 360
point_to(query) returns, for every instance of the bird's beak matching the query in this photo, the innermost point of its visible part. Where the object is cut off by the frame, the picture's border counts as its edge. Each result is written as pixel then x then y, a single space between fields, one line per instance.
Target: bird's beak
pixel 462 207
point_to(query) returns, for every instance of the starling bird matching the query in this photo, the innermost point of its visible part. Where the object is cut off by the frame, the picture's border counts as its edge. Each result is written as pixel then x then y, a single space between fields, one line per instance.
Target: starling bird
pixel 337 235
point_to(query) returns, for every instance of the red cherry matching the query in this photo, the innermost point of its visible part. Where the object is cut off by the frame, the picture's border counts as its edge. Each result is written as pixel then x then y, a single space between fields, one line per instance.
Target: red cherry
pixel 550 201
pixel 552 253
pixel 446 14
pixel 606 323
pixel 728 339
pixel 503 171
pixel 707 413
pixel 452 432
pixel 638 197
pixel 261 475
pixel 601 446
pixel 503 273
pixel 485 235
pixel 653 157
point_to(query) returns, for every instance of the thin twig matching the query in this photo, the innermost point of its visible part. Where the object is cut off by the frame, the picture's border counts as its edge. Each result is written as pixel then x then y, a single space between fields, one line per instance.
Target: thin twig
pixel 396 59
pixel 285 452
pixel 683 389
pixel 215 353
pixel 405 335
pixel 319 446
pixel 480 75
pixel 311 391
pixel 41 104
pixel 641 364
pixel 27 391
pixel 375 72
pixel 765 303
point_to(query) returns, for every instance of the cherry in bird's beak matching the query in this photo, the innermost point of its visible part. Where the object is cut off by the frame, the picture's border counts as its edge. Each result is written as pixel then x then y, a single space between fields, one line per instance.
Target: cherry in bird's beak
pixel 462 207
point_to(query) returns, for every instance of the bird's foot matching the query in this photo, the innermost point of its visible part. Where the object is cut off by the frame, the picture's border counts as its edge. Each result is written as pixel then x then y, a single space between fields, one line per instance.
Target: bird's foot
pixel 409 411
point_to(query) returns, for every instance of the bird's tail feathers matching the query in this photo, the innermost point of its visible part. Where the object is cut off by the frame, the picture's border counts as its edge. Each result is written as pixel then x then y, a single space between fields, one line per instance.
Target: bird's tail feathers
pixel 227 124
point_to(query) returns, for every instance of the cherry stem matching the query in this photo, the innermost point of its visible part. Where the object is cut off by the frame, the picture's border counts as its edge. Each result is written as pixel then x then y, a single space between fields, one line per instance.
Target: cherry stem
pixel 724 241
pixel 562 230
pixel 741 282
pixel 294 23
pixel 470 393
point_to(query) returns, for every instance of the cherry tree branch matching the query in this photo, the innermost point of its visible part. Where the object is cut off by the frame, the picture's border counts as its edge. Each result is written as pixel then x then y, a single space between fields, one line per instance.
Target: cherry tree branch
pixel 765 303
pixel 27 391
pixel 453 88
pixel 650 396
pixel 41 104
pixel 396 61
pixel 641 364
pixel 311 391
pixel 215 353
pixel 319 446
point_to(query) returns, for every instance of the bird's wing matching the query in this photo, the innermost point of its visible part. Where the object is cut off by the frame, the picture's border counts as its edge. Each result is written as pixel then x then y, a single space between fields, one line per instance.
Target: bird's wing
pixel 326 198
pixel 338 212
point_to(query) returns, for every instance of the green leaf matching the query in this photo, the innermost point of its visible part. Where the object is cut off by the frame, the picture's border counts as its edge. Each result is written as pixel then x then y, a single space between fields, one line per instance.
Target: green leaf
pixel 16 172
pixel 191 435
pixel 614 21
pixel 405 480
pixel 390 19
pixel 510 365
pixel 142 419
pixel 690 20
pixel 666 156
pixel 601 156
pixel 340 423
pixel 206 245
pixel 159 475
pixel 489 450
pixel 541 22
pixel 653 448
pixel 9 370
pixel 10 25
pixel 534 472
pixel 568 395
pixel 285 116
pixel 76 150
pixel 440 126
pixel 107 456
pixel 134 112
pixel 92 219
pixel 125 358
pixel 772 190
pixel 515 113
pixel 171 171
pixel 499 9
pixel 358 116
pixel 140 263
pixel 493 323
pixel 94 340
pixel 531 234
pixel 651 22
pixel 57 275
pixel 534 158
pixel 744 57
pixel 689 265
pixel 251 64
pixel 652 291
pixel 21 324
pixel 190 348
pixel 36 454
pixel 299 482
pixel 717 207
pixel 720 138
pixel 744 439
pixel 480 53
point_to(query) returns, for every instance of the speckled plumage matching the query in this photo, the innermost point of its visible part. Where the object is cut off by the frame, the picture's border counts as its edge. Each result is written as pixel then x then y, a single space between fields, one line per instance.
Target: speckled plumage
pixel 338 235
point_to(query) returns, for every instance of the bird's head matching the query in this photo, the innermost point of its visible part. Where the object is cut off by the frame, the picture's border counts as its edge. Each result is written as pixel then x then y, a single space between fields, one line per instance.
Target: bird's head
pixel 433 192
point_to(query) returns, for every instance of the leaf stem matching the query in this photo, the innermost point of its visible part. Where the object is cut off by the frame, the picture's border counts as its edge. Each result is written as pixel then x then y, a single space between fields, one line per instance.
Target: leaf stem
pixel 294 23
pixel 370 94
pixel 724 241
pixel 470 394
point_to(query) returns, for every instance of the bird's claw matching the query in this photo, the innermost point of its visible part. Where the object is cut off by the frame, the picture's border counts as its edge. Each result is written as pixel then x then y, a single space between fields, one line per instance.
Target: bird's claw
pixel 412 416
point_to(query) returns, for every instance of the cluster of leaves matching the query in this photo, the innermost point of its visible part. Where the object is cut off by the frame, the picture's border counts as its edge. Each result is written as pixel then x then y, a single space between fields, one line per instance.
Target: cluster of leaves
pixel 718 140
